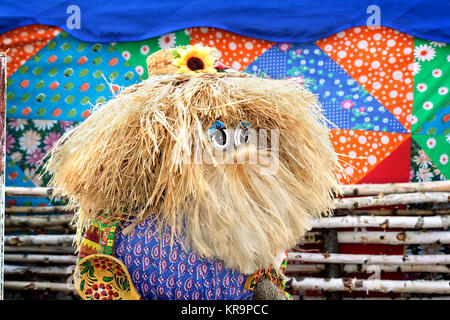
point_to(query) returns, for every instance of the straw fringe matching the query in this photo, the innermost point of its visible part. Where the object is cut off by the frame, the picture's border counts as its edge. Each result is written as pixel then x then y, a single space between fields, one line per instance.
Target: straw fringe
pixel 128 155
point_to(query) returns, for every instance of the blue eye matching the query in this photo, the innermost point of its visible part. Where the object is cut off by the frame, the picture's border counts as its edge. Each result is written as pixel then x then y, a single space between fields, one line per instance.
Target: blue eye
pixel 244 125
pixel 242 133
pixel 216 125
pixel 218 134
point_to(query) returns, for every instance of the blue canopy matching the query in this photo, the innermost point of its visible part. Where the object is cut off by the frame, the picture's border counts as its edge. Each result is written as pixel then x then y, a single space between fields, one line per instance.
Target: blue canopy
pixel 282 21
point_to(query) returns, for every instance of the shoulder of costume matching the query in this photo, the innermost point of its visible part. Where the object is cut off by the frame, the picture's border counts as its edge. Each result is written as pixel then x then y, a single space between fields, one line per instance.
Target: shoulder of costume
pixel 98 274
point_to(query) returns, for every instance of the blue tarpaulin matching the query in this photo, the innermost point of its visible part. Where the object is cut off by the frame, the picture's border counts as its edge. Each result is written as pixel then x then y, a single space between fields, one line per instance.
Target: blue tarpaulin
pixel 281 21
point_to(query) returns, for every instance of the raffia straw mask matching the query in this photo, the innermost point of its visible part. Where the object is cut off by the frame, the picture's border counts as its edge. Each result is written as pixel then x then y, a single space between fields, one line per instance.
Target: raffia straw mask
pixel 136 152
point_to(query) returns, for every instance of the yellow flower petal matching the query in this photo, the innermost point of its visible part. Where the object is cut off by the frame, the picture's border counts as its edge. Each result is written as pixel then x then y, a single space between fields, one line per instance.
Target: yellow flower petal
pixel 178 62
pixel 196 51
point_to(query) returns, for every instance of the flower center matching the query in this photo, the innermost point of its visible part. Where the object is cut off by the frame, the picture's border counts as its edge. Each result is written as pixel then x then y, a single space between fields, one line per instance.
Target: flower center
pixel 195 63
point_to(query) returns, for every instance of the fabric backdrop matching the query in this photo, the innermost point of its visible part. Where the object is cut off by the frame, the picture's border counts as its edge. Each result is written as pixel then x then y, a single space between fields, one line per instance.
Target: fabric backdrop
pixel 274 20
pixel 386 91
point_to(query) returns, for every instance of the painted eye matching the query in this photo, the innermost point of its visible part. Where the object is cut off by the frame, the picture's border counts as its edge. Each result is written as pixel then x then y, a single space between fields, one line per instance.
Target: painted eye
pixel 218 134
pixel 242 133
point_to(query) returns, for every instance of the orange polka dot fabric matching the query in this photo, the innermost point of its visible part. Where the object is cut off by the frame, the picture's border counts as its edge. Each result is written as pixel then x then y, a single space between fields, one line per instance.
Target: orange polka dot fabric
pixel 24 42
pixel 361 151
pixel 381 60
pixel 235 50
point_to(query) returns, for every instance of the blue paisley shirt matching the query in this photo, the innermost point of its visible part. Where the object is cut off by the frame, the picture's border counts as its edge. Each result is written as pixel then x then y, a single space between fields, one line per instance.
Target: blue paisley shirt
pixel 158 272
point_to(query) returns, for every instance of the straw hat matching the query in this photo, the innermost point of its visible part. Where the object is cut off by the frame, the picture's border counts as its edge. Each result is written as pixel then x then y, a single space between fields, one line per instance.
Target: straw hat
pixel 193 60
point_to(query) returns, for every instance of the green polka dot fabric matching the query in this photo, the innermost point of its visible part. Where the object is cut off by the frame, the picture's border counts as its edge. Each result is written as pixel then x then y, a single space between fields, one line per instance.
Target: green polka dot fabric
pixel 431 107
pixel 432 82
pixel 65 79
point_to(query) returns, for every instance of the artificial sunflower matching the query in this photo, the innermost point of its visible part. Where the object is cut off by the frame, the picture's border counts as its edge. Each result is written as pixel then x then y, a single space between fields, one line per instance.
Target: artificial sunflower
pixel 194 59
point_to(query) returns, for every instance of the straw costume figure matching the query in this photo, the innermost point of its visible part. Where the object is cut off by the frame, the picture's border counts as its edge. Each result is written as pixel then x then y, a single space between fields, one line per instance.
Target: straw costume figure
pixel 161 215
